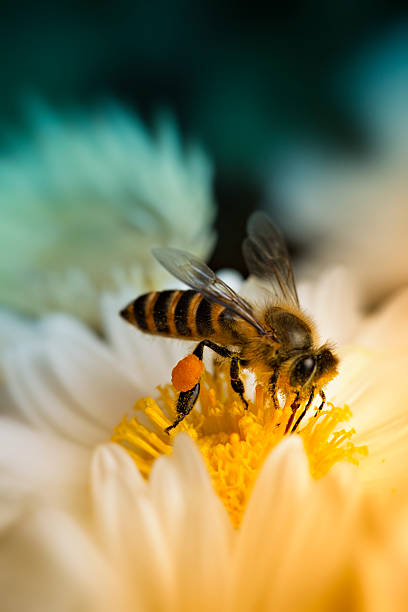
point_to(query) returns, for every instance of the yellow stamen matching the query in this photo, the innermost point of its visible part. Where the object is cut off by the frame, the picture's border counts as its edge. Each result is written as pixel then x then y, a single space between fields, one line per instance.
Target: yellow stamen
pixel 233 441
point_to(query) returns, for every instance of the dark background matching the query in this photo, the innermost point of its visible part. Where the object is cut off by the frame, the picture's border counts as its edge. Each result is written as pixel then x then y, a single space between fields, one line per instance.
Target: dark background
pixel 242 78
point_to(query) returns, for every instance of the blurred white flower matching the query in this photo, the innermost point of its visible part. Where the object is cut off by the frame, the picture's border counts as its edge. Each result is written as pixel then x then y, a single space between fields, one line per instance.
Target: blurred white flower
pixel 354 209
pixel 78 518
pixel 85 197
pixel 376 88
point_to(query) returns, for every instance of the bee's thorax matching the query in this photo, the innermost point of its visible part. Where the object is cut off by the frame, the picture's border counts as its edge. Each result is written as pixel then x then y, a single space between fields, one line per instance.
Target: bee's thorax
pixel 291 332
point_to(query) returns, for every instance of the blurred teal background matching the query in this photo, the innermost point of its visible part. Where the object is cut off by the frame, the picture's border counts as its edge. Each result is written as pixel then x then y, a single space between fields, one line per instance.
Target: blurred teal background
pixel 244 79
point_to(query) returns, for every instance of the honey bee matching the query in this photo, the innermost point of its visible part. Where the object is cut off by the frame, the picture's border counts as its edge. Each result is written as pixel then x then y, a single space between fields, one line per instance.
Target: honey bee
pixel 277 341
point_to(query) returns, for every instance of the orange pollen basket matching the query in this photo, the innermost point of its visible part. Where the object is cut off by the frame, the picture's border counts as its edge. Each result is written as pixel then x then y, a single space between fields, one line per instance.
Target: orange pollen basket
pixel 187 373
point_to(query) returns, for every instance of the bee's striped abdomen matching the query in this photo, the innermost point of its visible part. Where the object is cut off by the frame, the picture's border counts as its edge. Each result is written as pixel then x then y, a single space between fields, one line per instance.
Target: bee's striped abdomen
pixel 203 318
pixel 183 314
pixel 161 312
pixel 149 312
pixel 181 319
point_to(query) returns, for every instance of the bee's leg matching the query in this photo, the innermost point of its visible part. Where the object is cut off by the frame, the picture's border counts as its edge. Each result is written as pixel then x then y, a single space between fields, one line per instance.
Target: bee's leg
pixel 236 382
pixel 272 387
pixel 322 395
pixel 220 350
pixel 185 404
pixel 309 401
pixel 187 399
pixel 295 405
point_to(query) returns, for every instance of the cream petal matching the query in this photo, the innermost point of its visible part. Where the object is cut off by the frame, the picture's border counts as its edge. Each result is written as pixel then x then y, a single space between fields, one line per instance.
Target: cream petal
pixel 182 519
pixel 232 278
pixel 10 511
pixel 199 529
pixel 7 403
pixel 71 371
pixel 375 386
pixel 131 528
pixel 384 471
pixel 290 524
pixel 385 399
pixel 179 483
pixel 112 467
pixel 381 563
pixel 72 549
pixel 284 474
pixel 355 376
pixel 166 491
pixel 89 373
pixel 278 496
pixel 50 563
pixel 190 464
pixel 332 303
pixel 40 397
pixel 389 326
pixel 318 545
pixel 36 467
pixel 14 329
pixel 256 291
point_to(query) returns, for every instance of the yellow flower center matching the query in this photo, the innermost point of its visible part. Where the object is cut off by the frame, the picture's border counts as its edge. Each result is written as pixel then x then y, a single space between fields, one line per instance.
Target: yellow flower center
pixel 233 441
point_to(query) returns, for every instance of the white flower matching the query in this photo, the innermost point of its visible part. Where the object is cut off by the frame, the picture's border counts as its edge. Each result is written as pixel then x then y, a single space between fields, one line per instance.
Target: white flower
pixel 353 209
pixel 76 507
pixel 83 200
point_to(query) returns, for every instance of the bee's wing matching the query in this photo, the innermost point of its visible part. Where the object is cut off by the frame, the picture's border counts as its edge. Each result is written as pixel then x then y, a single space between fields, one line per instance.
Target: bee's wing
pixel 197 275
pixel 267 257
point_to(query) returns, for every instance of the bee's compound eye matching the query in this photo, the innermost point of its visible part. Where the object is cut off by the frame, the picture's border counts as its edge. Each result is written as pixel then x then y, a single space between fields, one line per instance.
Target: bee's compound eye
pixel 302 371
pixel 307 365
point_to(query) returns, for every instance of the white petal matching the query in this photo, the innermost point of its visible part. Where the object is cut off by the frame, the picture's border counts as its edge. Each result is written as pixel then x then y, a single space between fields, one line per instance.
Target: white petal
pixel 67 381
pixel 322 536
pixel 231 277
pixel 355 376
pixel 190 464
pixel 197 489
pixel 166 491
pixel 389 326
pixel 97 382
pixel 375 386
pixel 381 420
pixel 385 399
pixel 112 467
pixel 10 512
pixel 332 303
pixel 278 496
pixel 199 529
pixel 71 548
pixel 40 397
pixel 131 527
pixel 14 329
pixel 176 531
pixel 49 563
pixel 290 524
pixel 38 466
pixel 381 557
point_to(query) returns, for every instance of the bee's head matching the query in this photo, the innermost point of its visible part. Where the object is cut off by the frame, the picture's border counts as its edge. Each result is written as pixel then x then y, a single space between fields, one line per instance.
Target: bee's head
pixel 313 368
